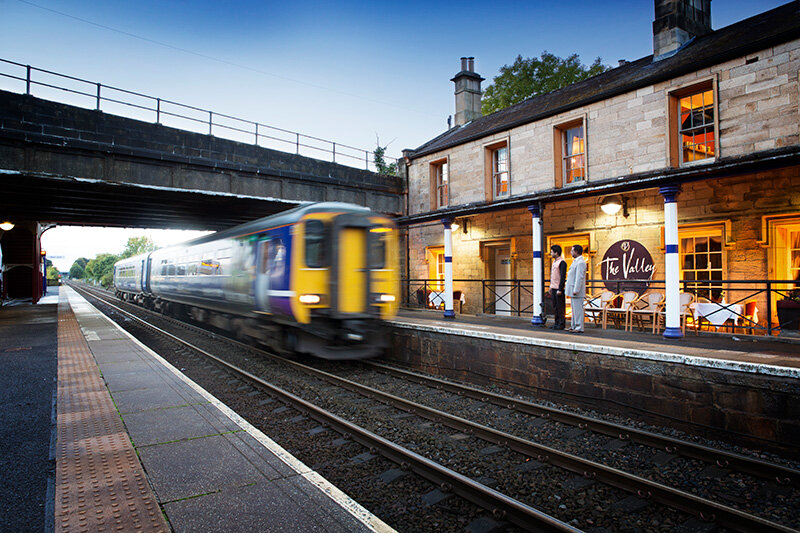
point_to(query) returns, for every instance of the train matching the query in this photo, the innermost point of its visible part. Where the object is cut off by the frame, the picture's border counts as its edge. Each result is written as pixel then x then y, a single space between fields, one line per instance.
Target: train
pixel 321 279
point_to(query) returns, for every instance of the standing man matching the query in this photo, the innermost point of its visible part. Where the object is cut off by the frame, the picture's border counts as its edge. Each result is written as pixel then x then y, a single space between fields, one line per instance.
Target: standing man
pixel 558 275
pixel 576 287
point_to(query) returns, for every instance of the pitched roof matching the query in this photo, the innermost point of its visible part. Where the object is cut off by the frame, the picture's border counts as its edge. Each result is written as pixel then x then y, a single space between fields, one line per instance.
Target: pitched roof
pixel 762 31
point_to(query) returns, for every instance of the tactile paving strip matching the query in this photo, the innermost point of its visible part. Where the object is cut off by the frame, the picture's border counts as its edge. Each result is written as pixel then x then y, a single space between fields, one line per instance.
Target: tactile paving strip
pixel 100 483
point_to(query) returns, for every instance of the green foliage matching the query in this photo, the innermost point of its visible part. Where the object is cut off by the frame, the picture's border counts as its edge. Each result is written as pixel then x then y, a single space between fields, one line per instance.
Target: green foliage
pixel 52 273
pixel 78 270
pixel 533 76
pixel 138 245
pixel 101 269
pixel 379 157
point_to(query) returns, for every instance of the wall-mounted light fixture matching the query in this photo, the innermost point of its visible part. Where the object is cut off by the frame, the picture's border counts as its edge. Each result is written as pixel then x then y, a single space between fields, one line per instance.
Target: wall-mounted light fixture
pixel 6 226
pixel 453 226
pixel 612 204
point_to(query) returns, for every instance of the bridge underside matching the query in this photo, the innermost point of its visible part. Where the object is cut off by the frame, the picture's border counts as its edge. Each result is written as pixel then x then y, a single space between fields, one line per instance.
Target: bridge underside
pixel 73 201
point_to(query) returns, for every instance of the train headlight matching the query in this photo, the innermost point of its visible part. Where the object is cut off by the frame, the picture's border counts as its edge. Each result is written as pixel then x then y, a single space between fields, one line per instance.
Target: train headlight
pixel 385 298
pixel 310 299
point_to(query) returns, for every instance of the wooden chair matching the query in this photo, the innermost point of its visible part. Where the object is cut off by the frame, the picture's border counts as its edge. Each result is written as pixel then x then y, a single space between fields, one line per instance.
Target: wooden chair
pixel 749 318
pixel 644 308
pixel 620 312
pixel 594 305
pixel 685 300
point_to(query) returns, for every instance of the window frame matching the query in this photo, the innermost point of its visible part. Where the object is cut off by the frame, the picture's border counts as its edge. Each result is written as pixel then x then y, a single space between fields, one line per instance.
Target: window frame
pixel 708 230
pixel 559 148
pixel 436 168
pixel 674 132
pixel 489 151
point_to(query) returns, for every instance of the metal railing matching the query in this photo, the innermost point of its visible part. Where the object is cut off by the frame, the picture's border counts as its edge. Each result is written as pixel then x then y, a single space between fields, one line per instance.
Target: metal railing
pixel 232 128
pixel 755 307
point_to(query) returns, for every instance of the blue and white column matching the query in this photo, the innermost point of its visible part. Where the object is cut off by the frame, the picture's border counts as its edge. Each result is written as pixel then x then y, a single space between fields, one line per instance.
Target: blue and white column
pixel 672 260
pixel 448 269
pixel 538 311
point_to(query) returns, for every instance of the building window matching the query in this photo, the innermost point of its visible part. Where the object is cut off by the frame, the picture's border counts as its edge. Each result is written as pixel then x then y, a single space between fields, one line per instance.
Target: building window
pixel 569 142
pixel 693 131
pixel 440 184
pixel 500 172
pixel 435 257
pixel 701 265
pixel 497 168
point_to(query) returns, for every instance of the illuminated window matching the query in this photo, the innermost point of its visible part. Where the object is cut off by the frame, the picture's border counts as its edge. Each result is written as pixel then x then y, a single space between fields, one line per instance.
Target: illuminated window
pixel 435 256
pixel 692 117
pixel 440 184
pixel 701 264
pixel 569 142
pixel 793 255
pixel 697 126
pixel 500 172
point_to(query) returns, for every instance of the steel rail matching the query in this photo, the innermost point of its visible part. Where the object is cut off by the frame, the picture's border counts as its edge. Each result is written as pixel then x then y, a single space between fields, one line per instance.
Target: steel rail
pixel 756 467
pixel 644 488
pixel 500 505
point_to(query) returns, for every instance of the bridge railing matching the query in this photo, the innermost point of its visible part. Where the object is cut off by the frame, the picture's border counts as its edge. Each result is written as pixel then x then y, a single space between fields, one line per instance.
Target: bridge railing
pixel 174 114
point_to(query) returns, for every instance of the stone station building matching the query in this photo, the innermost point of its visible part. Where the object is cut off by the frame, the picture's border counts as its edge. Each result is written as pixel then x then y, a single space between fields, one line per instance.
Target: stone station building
pixel 697 146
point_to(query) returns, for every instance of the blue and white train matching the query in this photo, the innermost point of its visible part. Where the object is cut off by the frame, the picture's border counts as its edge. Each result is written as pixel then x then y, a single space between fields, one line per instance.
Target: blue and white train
pixel 318 279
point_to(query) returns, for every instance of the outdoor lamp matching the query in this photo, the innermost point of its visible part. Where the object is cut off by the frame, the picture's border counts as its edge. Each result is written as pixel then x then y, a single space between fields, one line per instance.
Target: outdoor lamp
pixel 6 226
pixel 453 226
pixel 612 204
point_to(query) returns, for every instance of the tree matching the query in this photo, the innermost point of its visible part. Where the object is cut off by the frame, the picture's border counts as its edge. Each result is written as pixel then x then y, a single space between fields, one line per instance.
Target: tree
pixel 138 245
pixel 52 273
pixel 78 268
pixel 380 162
pixel 533 76
pixel 101 268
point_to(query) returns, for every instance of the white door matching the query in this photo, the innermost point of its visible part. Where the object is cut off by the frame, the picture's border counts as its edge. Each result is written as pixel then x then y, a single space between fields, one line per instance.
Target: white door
pixel 502 271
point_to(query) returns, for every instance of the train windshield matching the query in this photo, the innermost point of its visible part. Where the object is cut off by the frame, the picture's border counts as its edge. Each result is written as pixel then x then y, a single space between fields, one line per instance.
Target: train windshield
pixel 316 244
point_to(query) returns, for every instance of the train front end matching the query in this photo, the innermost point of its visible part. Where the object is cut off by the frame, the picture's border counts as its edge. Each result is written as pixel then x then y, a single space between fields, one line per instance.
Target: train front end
pixel 346 283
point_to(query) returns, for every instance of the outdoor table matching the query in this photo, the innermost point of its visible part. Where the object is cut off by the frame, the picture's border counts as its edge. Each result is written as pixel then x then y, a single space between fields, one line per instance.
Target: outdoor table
pixel 717 313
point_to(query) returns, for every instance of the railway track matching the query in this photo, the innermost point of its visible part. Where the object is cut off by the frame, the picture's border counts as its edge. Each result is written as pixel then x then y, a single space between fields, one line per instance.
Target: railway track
pixel 469 444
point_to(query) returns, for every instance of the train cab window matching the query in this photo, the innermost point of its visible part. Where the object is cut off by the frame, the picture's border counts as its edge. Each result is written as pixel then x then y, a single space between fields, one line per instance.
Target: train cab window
pixel 377 250
pixel 316 244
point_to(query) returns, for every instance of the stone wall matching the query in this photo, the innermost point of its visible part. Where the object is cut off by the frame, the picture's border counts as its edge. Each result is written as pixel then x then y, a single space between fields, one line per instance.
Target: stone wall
pixel 735 204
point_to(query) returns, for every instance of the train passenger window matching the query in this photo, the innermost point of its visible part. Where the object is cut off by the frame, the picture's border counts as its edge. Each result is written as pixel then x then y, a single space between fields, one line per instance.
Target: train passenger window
pixel 377 250
pixel 170 270
pixel 316 244
pixel 181 270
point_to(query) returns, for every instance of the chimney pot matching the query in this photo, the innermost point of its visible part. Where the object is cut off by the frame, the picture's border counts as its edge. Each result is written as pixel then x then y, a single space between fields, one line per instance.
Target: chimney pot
pixel 471 61
pixel 463 63
pixel 622 62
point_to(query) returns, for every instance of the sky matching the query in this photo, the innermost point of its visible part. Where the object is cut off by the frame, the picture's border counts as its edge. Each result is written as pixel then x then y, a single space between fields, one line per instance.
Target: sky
pixel 352 72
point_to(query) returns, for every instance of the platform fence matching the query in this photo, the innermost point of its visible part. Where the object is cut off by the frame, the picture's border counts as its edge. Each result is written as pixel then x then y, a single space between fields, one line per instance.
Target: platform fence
pixel 755 307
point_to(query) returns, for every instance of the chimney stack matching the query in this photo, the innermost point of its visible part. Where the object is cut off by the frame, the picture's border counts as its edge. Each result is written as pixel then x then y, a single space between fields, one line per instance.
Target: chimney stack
pixel 468 92
pixel 677 22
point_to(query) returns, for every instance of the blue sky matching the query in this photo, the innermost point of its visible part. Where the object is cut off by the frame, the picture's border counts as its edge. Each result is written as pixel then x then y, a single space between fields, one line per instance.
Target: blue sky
pixel 344 71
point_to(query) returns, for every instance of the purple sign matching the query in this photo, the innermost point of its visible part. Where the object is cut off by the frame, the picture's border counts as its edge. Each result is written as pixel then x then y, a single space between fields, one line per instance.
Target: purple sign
pixel 627 266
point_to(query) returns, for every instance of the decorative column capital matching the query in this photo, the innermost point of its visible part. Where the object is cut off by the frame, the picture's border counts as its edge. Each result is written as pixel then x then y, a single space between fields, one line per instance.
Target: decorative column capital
pixel 670 193
pixel 447 222
pixel 535 210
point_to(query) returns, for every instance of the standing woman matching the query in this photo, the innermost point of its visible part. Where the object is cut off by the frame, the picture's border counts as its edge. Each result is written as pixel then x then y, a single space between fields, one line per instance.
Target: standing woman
pixel 576 287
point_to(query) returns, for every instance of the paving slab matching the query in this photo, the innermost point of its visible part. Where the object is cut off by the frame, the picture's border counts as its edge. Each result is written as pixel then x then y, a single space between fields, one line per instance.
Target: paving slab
pixel 210 469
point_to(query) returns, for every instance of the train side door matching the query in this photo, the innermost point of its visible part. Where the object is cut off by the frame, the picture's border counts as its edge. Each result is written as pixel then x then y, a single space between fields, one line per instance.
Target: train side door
pixel 352 269
pixel 146 274
pixel 262 276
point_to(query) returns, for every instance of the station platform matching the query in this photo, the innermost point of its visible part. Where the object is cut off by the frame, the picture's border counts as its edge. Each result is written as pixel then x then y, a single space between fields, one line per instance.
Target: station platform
pixel 746 353
pixel 738 388
pixel 141 447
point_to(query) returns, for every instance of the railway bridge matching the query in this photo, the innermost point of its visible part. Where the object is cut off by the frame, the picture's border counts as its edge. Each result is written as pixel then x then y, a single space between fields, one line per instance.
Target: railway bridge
pixel 62 164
